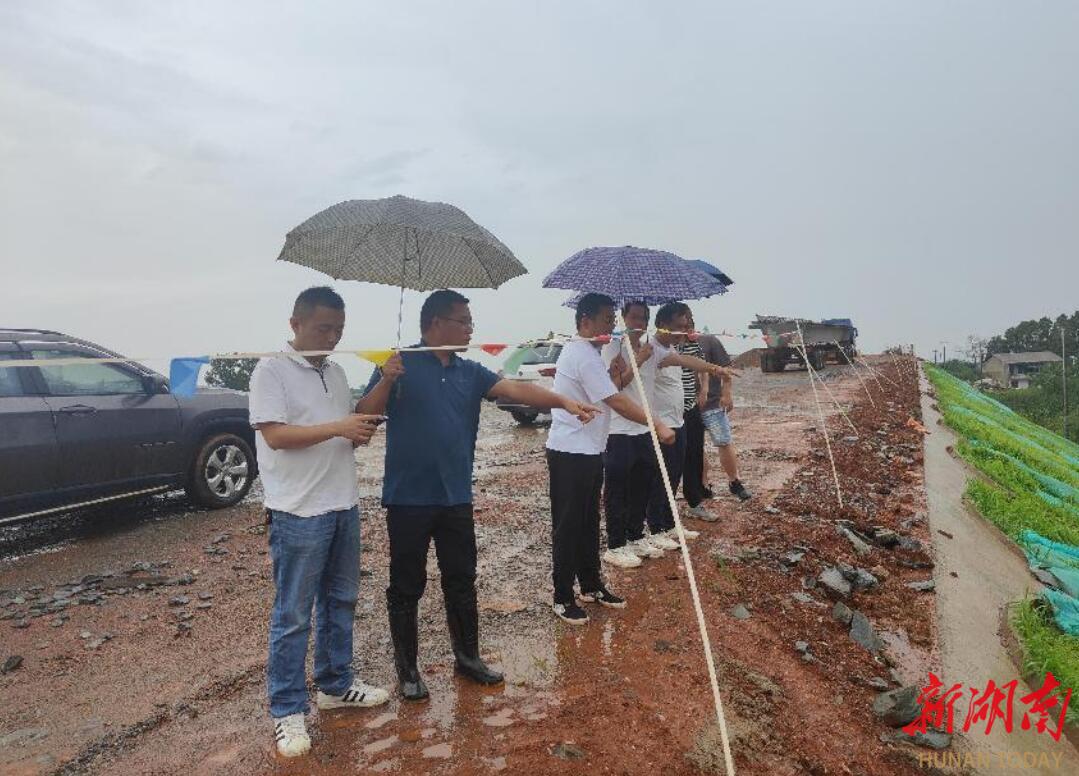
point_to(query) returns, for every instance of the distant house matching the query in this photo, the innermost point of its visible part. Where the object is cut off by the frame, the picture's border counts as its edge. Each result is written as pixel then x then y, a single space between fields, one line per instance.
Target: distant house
pixel 1016 370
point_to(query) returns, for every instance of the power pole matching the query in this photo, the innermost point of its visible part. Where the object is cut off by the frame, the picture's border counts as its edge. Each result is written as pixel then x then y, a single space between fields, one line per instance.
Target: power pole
pixel 934 355
pixel 1064 379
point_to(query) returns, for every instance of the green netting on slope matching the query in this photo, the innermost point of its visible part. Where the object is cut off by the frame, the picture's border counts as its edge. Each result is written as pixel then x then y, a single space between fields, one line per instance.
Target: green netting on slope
pixel 1062 561
pixel 967 422
pixel 1057 503
pixel 1065 610
pixel 1062 490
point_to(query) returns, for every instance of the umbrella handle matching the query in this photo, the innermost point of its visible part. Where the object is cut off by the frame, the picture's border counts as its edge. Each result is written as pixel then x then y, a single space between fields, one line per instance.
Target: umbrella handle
pixel 400 314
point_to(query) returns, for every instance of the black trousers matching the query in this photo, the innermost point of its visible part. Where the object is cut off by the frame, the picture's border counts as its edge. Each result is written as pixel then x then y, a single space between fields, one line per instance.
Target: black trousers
pixel 693 471
pixel 628 469
pixel 576 481
pixel 659 508
pixel 411 530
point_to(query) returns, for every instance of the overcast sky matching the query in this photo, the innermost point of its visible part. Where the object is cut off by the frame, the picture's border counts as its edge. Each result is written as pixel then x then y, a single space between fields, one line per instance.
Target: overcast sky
pixel 911 165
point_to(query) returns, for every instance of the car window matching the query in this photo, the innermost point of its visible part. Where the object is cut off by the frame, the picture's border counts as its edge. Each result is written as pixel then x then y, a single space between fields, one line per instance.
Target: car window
pixel 542 354
pixel 10 384
pixel 85 379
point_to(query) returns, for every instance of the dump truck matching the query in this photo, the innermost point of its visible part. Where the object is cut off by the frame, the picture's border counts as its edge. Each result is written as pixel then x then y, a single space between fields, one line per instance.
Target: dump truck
pixel 827 341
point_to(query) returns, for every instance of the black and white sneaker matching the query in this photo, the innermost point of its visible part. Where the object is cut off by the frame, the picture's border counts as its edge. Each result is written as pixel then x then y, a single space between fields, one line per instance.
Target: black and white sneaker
pixel 359 696
pixel 739 490
pixel 290 733
pixel 571 613
pixel 603 597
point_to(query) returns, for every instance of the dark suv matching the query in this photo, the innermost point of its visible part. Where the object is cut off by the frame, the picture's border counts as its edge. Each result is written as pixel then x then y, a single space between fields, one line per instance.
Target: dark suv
pixel 72 434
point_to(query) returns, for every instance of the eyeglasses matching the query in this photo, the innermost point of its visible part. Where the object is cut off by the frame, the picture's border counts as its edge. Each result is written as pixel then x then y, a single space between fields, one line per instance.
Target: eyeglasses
pixel 466 322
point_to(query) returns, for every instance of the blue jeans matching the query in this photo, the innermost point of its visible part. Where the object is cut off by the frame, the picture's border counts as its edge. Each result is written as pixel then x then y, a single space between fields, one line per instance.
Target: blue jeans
pixel 718 426
pixel 316 563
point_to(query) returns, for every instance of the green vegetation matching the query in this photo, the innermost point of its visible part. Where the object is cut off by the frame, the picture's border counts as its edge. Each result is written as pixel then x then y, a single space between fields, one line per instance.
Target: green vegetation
pixel 1031 483
pixel 1045 648
pixel 234 373
pixel 1043 401
pixel 1038 334
pixel 966 371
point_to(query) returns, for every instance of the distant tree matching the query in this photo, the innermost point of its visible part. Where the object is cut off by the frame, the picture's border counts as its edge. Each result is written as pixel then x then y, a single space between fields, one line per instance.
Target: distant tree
pixel 975 350
pixel 234 373
pixel 1040 334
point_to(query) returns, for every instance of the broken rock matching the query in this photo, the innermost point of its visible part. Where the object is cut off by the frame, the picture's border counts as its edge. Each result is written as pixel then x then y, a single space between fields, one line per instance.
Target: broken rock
pixel 834 582
pixel 923 586
pixel 740 612
pixel 861 630
pixel 898 707
pixel 567 750
pixel 842 613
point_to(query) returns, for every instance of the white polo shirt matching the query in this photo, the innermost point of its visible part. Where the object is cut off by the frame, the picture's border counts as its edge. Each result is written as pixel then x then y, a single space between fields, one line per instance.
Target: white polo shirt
pixel 313 480
pixel 580 375
pixel 670 395
pixel 647 370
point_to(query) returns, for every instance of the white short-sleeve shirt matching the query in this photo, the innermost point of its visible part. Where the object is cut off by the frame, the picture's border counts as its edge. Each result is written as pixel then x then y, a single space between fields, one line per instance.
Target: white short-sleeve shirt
pixel 647 371
pixel 670 394
pixel 313 480
pixel 581 375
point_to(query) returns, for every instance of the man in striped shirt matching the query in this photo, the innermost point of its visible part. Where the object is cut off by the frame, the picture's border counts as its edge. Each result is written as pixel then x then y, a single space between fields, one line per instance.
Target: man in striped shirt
pixel 693 487
pixel 711 402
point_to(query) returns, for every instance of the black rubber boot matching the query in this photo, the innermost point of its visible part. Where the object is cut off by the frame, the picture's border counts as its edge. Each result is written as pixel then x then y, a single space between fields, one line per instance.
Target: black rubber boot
pixel 404 632
pixel 463 619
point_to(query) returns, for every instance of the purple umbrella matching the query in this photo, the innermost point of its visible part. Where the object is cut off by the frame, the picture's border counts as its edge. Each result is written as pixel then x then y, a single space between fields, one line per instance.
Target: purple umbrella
pixel 633 274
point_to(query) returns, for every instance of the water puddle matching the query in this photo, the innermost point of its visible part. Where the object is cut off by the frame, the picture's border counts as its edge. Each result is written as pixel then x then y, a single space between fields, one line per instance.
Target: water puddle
pixel 441 751
pixel 381 720
pixel 529 662
pixel 381 745
pixel 608 634
pixel 501 718
pixel 441 710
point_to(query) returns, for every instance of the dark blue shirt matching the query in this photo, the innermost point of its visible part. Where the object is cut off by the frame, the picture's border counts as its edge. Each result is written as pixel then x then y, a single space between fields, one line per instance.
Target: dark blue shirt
pixel 434 415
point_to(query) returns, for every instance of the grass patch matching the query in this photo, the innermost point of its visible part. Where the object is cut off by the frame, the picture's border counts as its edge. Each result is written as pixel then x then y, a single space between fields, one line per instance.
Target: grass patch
pixel 1045 648
pixel 1013 512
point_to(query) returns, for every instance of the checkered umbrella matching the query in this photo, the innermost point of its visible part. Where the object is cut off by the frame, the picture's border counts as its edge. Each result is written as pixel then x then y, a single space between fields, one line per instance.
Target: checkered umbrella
pixel 629 274
pixel 401 242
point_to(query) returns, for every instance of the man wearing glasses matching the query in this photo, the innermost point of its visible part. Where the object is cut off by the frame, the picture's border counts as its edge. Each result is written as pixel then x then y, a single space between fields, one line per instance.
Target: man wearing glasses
pixel 433 401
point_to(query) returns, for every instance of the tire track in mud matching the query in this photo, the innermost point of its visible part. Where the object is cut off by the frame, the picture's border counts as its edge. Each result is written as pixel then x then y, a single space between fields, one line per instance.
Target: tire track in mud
pixel 113 744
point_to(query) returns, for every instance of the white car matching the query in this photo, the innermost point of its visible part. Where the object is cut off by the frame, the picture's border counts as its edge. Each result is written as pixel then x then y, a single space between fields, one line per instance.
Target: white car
pixel 533 362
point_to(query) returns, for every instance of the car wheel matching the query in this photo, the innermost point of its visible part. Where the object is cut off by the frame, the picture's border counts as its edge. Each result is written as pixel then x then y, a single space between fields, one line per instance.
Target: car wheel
pixel 221 472
pixel 525 418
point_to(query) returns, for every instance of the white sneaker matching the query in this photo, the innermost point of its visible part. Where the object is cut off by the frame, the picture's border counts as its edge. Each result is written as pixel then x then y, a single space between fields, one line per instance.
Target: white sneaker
pixel 700 513
pixel 291 735
pixel 663 541
pixel 688 532
pixel 622 557
pixel 643 548
pixel 358 696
